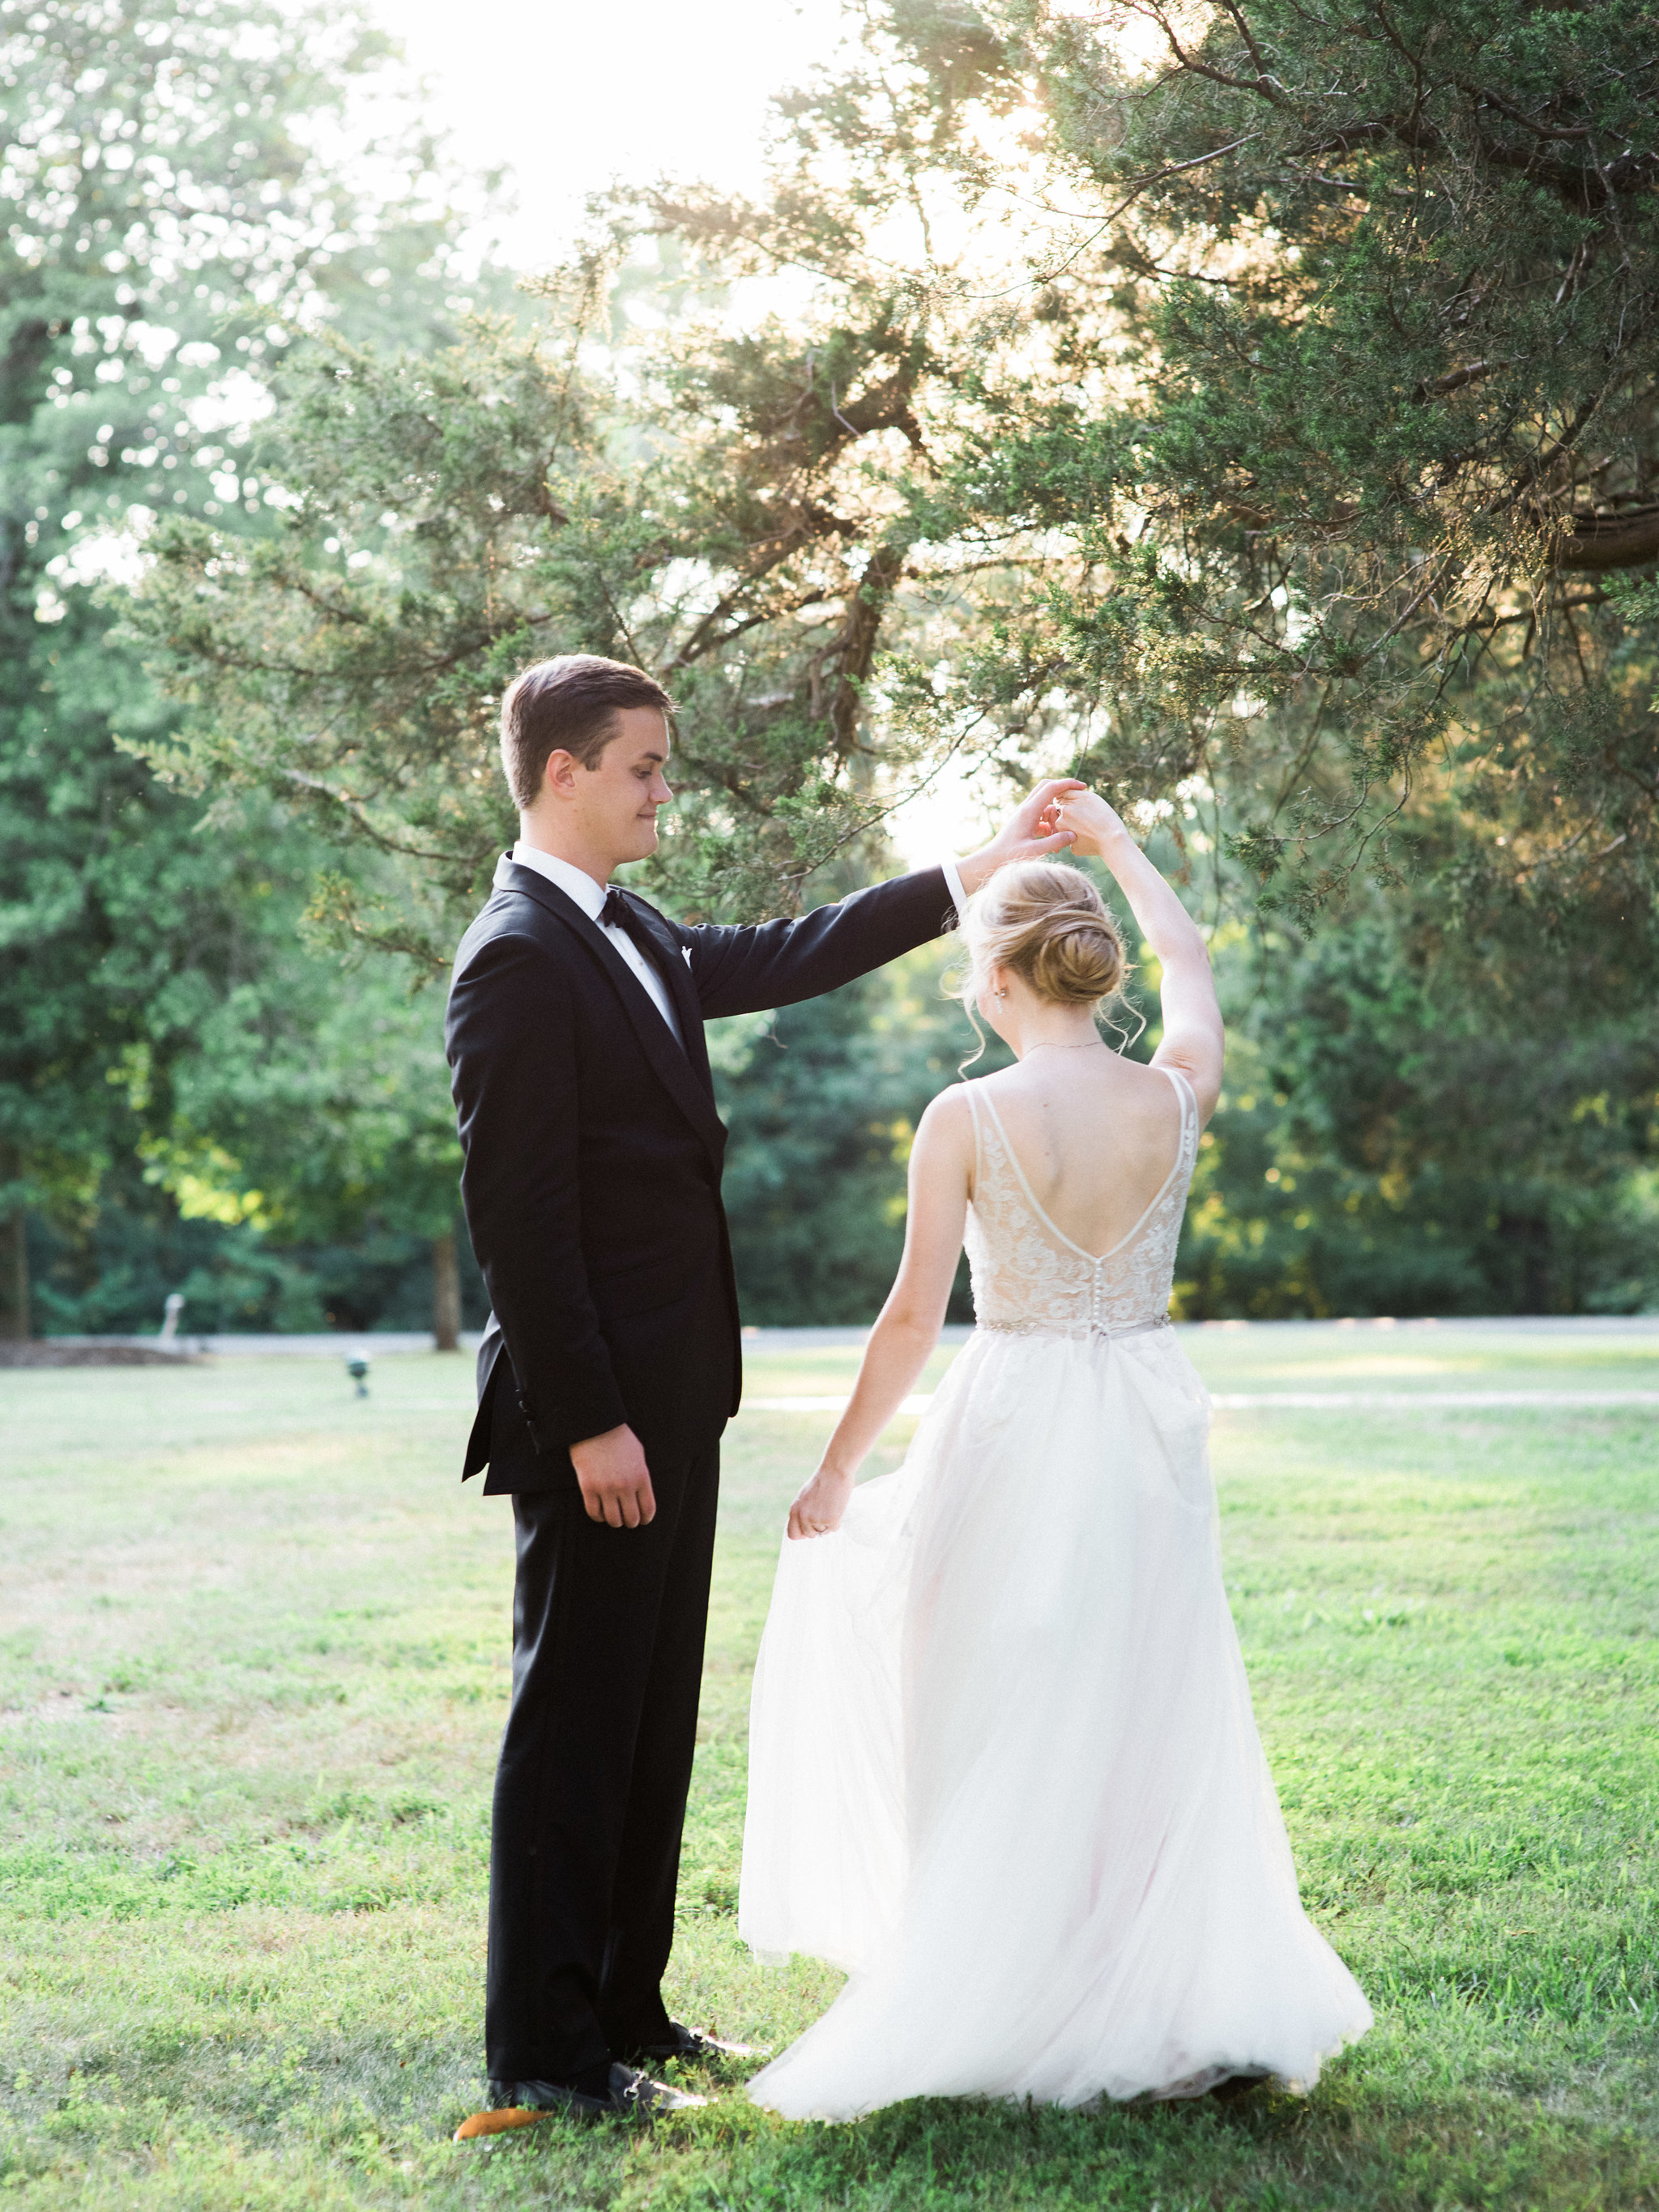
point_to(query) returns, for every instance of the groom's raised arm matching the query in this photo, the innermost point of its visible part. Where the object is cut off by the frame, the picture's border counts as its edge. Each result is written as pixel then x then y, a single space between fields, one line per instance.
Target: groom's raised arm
pixel 774 963
pixel 511 1040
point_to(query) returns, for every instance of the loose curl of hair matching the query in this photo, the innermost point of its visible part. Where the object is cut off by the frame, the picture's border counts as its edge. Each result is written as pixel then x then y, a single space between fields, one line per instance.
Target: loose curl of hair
pixel 1044 922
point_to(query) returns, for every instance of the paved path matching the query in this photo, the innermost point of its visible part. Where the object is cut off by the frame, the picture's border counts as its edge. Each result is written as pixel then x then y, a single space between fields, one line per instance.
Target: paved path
pixel 1300 1402
pixel 337 1343
pixel 1428 1401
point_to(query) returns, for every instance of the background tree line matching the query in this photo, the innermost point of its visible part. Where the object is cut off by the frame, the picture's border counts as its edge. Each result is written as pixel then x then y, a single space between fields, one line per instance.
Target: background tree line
pixel 1248 408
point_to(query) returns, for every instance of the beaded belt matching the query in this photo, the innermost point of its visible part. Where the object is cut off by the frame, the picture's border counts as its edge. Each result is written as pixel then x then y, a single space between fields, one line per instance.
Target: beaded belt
pixel 1077 1332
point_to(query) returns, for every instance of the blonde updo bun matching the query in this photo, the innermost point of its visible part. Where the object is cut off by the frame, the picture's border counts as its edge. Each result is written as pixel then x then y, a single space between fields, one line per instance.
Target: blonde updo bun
pixel 1046 921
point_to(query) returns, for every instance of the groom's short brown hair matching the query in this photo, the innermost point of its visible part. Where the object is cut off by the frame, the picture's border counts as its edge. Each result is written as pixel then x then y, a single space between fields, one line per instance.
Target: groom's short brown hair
pixel 567 705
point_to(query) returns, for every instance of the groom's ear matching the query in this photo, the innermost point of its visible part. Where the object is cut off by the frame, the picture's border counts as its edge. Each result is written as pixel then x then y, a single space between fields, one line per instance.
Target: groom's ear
pixel 559 775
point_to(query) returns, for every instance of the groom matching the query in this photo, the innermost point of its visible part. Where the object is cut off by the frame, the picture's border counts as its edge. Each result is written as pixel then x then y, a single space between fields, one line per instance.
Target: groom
pixel 611 1363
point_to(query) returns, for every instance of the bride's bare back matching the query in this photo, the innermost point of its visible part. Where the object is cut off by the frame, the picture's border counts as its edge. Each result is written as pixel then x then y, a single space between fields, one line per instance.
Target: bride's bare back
pixel 1096 1137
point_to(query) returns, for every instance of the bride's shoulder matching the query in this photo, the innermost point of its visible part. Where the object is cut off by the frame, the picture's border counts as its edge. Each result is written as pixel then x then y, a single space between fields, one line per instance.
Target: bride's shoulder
pixel 948 1117
pixel 950 1105
pixel 994 1079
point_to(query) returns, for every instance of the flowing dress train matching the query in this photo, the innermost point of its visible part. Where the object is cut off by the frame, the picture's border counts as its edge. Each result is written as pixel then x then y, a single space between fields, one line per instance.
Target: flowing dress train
pixel 1003 1765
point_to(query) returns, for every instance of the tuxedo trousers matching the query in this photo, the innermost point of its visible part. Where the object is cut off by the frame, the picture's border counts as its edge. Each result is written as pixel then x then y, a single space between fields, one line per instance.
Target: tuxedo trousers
pixel 608 1628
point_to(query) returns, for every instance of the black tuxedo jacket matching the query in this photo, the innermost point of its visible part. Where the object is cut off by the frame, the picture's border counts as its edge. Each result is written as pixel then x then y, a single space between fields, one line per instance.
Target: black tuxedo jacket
pixel 593 1155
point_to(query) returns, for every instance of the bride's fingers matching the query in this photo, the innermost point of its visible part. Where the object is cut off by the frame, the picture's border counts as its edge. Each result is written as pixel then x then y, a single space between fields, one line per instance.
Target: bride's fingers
pixel 807 1518
pixel 1052 791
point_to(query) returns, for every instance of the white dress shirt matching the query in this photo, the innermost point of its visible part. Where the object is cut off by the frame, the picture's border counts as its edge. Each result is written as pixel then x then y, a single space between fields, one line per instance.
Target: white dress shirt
pixel 576 884
pixel 953 885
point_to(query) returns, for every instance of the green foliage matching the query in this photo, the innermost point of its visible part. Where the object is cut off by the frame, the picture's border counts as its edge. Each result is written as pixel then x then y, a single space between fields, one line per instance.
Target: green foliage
pixel 170 232
pixel 109 1271
pixel 1271 412
pixel 315 1098
pixel 1399 1134
pixel 453 517
pixel 283 1150
pixel 1348 412
pixel 1398 1211
pixel 388 600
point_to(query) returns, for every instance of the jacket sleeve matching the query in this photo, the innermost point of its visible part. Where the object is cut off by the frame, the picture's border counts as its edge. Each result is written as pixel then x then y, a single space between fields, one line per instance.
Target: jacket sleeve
pixel 512 1044
pixel 775 963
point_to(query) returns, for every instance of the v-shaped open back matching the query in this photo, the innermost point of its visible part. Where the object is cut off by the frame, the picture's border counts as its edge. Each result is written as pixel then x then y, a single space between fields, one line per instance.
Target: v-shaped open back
pixel 1047 1220
pixel 1030 1278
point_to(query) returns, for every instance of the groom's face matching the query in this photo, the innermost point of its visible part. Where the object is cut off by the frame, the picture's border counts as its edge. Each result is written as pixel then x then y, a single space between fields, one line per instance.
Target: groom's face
pixel 620 794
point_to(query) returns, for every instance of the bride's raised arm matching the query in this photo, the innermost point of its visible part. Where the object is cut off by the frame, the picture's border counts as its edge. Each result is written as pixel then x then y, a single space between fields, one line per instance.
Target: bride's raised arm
pixel 1194 1040
pixel 941 1168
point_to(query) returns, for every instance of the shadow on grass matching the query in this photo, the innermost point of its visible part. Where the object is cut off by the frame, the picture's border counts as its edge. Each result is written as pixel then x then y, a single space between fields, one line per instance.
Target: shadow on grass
pixel 1356 2144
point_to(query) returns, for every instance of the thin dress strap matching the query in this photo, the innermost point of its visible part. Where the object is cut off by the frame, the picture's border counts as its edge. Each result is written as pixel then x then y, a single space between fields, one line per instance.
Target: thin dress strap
pixel 972 1089
pixel 1189 1097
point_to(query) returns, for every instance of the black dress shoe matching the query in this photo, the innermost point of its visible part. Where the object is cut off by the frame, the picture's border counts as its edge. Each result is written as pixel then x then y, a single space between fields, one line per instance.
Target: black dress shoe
pixel 629 2094
pixel 690 2043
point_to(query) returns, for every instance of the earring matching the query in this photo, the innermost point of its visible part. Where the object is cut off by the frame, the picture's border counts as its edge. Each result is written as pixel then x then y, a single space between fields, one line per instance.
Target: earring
pixel 998 994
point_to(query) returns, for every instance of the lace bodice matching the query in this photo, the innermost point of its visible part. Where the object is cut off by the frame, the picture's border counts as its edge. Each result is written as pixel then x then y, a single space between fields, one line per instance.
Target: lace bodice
pixel 1029 1279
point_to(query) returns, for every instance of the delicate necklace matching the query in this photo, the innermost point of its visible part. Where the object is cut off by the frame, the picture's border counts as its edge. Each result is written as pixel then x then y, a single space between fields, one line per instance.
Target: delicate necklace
pixel 1048 1044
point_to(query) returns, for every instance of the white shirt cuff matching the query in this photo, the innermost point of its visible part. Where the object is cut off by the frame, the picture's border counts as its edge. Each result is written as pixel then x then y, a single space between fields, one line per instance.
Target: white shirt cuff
pixel 953 885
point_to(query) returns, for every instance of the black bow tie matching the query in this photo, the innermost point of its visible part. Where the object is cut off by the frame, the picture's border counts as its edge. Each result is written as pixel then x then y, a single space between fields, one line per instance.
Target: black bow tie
pixel 617 913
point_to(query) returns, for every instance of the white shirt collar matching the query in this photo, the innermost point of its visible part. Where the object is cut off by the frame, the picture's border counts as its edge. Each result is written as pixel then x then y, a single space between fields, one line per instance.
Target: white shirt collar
pixel 575 882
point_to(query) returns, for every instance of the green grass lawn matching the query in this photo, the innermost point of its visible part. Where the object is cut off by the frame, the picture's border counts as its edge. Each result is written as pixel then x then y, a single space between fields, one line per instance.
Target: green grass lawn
pixel 254 1663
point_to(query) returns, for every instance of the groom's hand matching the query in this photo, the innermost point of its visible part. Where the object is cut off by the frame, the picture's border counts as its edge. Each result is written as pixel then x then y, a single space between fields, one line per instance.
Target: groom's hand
pixel 616 1482
pixel 1031 831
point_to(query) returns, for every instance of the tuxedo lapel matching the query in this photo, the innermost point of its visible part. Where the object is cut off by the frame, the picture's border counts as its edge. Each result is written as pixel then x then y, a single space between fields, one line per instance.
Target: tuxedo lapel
pixel 687 1086
pixel 671 966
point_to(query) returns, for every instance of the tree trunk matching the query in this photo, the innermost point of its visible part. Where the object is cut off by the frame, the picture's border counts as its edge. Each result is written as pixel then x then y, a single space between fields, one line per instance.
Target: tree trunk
pixel 446 1294
pixel 14 1256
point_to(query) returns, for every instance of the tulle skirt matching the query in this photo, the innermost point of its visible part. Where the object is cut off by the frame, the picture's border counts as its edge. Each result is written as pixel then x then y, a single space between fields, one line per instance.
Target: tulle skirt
pixel 1004 1769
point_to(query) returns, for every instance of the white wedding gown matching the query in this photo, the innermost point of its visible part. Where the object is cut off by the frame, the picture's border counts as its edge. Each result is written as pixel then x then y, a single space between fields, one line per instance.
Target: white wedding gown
pixel 1003 1767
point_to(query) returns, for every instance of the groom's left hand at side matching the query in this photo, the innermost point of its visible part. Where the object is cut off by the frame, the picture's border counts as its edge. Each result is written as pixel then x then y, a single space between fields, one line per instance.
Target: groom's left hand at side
pixel 615 1480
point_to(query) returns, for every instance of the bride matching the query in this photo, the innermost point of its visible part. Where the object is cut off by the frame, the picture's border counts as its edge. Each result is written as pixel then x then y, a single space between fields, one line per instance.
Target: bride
pixel 1003 1767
